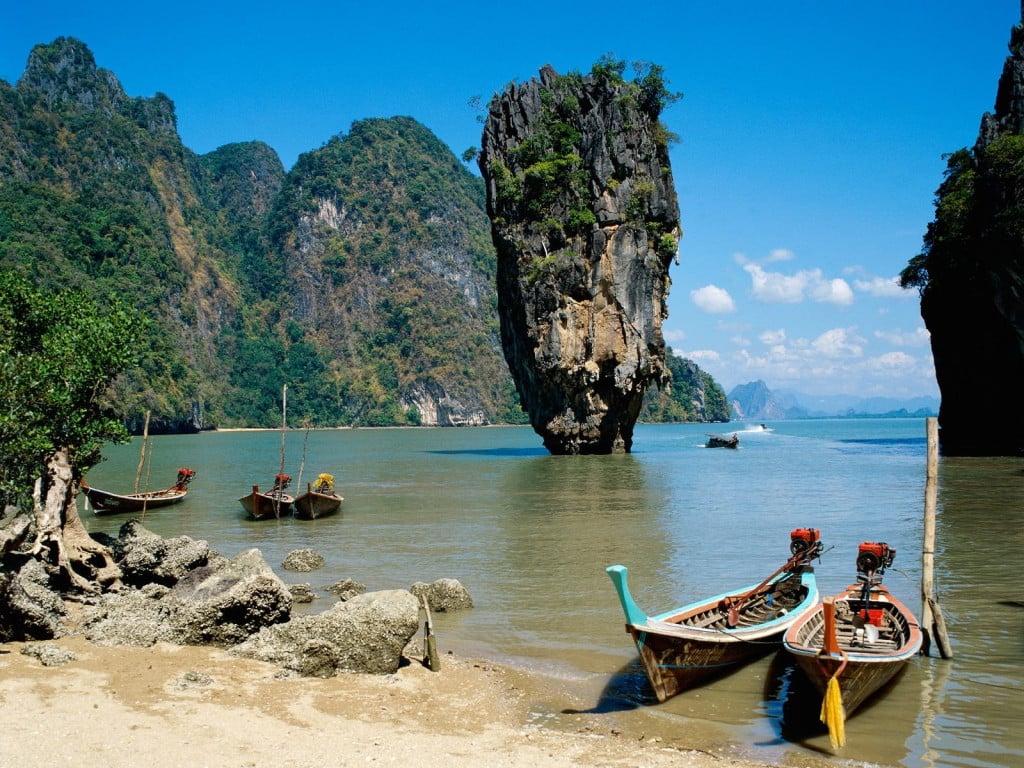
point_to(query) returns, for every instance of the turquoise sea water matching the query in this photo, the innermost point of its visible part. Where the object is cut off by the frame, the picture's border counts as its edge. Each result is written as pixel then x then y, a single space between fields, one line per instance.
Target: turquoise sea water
pixel 530 534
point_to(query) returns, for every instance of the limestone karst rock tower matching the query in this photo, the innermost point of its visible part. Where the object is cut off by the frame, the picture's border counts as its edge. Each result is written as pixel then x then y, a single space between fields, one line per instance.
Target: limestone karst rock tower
pixel 971 277
pixel 585 220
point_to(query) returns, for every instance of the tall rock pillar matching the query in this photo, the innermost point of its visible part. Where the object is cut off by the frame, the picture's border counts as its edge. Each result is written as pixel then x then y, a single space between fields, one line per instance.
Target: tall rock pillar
pixel 585 220
pixel 971 278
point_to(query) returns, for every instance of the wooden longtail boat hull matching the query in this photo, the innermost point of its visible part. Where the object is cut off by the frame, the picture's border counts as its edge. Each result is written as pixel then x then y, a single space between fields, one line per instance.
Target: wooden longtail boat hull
pixel 313 504
pixel 721 441
pixel 693 644
pixel 869 664
pixel 107 503
pixel 264 506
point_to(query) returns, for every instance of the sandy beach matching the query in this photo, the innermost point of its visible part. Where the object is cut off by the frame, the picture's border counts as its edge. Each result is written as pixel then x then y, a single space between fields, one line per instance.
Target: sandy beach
pixel 176 706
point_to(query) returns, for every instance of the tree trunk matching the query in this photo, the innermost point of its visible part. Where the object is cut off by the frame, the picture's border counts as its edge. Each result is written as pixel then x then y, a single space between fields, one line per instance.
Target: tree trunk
pixel 62 542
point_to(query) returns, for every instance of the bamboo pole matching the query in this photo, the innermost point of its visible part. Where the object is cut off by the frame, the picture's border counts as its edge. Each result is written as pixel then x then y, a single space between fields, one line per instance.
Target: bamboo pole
pixel 284 427
pixel 142 453
pixel 431 659
pixel 931 614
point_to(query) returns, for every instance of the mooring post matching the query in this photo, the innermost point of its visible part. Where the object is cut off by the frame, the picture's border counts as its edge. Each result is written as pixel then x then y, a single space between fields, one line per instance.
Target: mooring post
pixel 931 614
pixel 431 659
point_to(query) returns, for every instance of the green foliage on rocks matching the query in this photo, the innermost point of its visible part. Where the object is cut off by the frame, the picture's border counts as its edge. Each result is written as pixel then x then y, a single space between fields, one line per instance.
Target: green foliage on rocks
pixel 58 353
pixel 979 217
pixel 362 276
pixel 691 395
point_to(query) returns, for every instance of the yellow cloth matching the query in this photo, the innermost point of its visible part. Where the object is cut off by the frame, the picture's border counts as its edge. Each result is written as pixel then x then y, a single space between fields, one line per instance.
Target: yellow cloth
pixel 832 714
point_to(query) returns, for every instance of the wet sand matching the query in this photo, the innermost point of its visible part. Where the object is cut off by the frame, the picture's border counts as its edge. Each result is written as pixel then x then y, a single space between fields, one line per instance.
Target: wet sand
pixel 176 706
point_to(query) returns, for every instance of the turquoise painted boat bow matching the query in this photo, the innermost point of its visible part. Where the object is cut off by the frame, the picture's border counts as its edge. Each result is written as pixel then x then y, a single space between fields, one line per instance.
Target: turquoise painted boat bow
pixel 619 575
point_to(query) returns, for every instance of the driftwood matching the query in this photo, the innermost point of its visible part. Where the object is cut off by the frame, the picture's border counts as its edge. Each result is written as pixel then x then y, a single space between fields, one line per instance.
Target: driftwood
pixel 61 541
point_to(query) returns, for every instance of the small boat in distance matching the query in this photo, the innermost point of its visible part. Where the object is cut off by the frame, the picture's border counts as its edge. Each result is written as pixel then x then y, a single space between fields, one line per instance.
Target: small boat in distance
pixel 722 441
pixel 854 643
pixel 686 646
pixel 319 500
pixel 262 505
pixel 108 503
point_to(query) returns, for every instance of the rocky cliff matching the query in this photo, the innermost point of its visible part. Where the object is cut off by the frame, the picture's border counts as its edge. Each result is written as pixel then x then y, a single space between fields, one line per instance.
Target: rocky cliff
pixel 585 221
pixel 971 278
pixel 692 395
pixel 383 238
pixel 97 191
pixel 364 277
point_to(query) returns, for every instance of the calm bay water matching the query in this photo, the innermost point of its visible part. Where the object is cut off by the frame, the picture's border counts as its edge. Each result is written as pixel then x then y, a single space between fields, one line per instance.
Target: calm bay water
pixel 530 534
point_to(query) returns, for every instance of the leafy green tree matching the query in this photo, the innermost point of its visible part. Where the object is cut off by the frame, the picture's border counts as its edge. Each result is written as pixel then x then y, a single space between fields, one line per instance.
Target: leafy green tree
pixel 58 354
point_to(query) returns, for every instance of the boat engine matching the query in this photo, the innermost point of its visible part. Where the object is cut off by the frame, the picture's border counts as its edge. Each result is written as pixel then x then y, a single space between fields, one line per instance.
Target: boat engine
pixel 873 557
pixel 805 541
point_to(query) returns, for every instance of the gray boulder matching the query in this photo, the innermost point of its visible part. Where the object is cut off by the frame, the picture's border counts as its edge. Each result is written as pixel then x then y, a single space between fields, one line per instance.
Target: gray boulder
pixel 346 589
pixel 364 634
pixel 30 607
pixel 303 560
pixel 145 557
pixel 225 605
pixel 302 593
pixel 209 606
pixel 49 655
pixel 137 617
pixel 443 595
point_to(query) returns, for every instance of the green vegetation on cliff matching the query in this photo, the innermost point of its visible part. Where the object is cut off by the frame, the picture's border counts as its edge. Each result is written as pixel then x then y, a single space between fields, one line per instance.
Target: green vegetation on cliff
pixel 692 395
pixel 364 278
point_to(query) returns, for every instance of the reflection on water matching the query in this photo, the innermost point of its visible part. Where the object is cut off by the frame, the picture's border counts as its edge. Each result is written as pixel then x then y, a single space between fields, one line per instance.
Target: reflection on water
pixel 530 535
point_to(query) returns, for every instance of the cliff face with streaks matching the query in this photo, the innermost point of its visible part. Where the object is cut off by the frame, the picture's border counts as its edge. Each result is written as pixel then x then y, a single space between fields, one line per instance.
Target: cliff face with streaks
pixel 585 220
pixel 971 278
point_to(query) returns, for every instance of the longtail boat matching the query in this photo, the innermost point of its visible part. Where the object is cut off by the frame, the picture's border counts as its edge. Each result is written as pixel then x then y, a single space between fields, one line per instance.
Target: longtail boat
pixel 262 505
pixel 855 642
pixel 319 500
pixel 722 441
pixel 686 646
pixel 275 503
pixel 108 503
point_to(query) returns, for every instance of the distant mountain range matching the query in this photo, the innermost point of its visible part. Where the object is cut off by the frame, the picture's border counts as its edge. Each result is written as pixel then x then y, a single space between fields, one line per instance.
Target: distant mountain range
pixel 756 401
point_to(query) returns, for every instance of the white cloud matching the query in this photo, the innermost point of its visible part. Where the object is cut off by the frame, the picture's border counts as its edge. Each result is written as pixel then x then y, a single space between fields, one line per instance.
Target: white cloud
pixel 884 288
pixel 777 288
pixel 893 361
pixel 779 254
pixel 836 361
pixel 675 336
pixel 713 299
pixel 774 287
pixel 836 291
pixel 702 355
pixel 919 337
pixel 772 337
pixel 839 342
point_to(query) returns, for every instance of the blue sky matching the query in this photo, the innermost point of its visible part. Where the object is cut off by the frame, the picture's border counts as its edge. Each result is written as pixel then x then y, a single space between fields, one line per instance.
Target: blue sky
pixel 811 134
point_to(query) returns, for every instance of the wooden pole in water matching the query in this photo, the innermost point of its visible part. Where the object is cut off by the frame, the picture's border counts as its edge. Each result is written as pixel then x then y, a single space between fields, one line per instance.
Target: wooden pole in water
pixel 284 427
pixel 142 453
pixel 931 614
pixel 430 656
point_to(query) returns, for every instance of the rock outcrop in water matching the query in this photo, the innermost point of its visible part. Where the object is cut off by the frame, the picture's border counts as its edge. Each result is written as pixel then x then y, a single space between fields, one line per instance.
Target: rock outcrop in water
pixel 585 220
pixel 971 278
